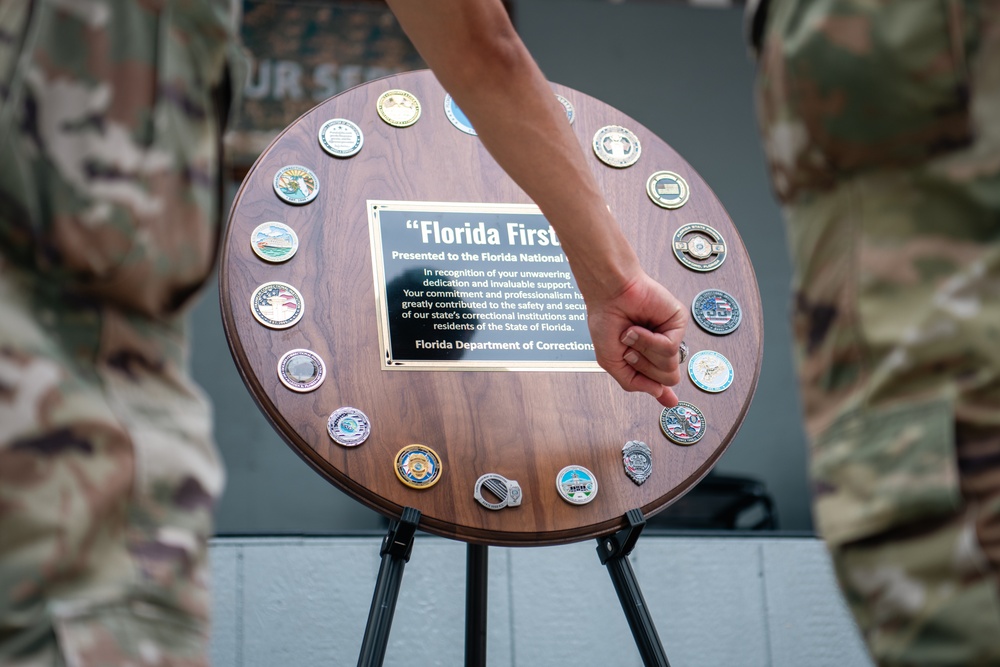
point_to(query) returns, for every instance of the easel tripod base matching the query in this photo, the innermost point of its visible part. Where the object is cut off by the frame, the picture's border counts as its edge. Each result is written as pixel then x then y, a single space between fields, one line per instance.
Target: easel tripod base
pixel 397 545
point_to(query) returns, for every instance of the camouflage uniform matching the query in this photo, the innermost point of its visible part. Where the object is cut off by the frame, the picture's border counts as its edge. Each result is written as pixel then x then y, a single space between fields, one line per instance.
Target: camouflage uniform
pixel 881 123
pixel 111 113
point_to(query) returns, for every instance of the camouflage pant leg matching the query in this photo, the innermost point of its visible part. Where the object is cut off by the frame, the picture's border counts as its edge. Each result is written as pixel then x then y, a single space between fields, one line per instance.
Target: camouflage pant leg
pixel 107 475
pixel 926 593
pixel 111 113
pixel 923 596
pixel 881 122
pixel 898 299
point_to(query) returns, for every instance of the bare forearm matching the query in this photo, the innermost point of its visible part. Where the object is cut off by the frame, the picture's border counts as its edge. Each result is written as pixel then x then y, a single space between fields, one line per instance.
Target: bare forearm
pixel 635 323
pixel 482 63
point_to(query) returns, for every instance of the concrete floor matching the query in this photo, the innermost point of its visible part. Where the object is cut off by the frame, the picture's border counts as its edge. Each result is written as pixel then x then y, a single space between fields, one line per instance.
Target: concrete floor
pixel 731 602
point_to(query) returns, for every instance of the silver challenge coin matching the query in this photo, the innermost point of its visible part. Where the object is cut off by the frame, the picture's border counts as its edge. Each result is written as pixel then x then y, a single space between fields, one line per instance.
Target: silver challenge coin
pixel 341 138
pixel 507 492
pixel 301 370
pixel 716 311
pixel 348 427
pixel 576 485
pixel 710 371
pixel 637 458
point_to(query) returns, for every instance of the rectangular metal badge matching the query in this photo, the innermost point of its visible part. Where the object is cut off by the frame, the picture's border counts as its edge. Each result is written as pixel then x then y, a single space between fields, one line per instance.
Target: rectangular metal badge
pixel 464 286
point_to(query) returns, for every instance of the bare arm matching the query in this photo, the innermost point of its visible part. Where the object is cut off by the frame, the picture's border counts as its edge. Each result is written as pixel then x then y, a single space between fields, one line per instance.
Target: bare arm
pixel 635 323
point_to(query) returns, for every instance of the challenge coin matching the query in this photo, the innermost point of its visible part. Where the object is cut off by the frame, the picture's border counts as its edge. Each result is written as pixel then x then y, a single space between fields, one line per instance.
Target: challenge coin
pixel 277 305
pixel 716 311
pixel 682 351
pixel 568 106
pixel 576 485
pixel 505 492
pixel 617 146
pixel 296 184
pixel 683 424
pixel 638 460
pixel 341 138
pixel 695 251
pixel 274 241
pixel 667 189
pixel 397 107
pixel 418 466
pixel 457 116
pixel 301 370
pixel 348 427
pixel 710 371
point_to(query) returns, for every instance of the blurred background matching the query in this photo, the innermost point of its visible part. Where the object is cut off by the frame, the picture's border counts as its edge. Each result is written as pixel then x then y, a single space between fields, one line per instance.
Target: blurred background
pixel 679 68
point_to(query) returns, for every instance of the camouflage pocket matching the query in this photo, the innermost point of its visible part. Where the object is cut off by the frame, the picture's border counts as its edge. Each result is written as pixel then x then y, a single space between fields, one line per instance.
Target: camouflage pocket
pixel 79 138
pixel 112 163
pixel 849 85
pixel 883 468
pixel 128 632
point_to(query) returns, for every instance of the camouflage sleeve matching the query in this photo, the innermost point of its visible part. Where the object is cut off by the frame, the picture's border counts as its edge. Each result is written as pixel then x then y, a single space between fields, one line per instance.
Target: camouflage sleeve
pixel 112 116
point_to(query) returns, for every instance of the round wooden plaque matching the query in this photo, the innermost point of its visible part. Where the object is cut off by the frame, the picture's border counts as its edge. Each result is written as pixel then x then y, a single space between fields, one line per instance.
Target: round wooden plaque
pixel 526 425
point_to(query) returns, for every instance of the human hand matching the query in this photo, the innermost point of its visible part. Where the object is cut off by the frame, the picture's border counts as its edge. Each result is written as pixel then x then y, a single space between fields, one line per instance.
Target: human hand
pixel 637 336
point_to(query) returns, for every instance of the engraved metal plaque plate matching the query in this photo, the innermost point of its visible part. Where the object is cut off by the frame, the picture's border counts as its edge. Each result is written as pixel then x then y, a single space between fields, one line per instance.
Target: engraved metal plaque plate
pixel 474 287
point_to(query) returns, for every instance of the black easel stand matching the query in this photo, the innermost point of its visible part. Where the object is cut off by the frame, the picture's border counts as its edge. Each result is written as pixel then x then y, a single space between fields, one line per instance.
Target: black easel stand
pixel 613 552
pixel 476 570
pixel 398 543
pixel 395 552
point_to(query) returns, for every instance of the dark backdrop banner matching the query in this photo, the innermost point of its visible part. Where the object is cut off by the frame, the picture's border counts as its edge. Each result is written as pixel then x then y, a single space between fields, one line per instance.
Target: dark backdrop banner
pixel 304 51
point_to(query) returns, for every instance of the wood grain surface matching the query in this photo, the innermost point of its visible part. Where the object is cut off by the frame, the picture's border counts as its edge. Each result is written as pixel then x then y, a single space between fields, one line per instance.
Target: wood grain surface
pixel 525 425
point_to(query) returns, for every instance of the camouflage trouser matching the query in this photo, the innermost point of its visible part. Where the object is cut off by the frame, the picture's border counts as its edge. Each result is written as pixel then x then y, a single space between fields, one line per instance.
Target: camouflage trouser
pixel 111 113
pixel 107 480
pixel 881 124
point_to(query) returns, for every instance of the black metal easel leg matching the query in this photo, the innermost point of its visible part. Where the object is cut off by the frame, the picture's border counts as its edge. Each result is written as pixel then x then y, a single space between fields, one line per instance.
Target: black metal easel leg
pixel 395 552
pixel 613 552
pixel 476 570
